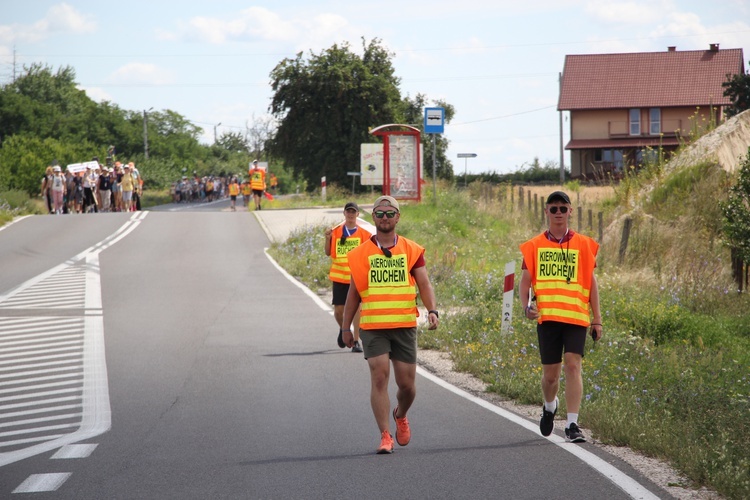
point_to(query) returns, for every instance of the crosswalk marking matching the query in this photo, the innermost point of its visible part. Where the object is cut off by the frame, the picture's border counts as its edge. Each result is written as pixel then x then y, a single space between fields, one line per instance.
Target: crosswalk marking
pixel 37 483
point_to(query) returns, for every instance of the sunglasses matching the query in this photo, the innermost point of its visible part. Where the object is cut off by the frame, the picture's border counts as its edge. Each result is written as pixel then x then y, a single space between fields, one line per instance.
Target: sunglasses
pixel 379 214
pixel 553 210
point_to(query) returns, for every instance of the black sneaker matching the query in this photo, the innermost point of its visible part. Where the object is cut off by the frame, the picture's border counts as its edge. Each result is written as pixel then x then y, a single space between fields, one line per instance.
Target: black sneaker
pixel 573 434
pixel 356 347
pixel 547 423
pixel 340 340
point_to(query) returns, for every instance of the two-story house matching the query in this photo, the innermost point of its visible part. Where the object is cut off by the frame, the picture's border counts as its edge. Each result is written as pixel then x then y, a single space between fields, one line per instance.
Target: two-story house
pixel 624 107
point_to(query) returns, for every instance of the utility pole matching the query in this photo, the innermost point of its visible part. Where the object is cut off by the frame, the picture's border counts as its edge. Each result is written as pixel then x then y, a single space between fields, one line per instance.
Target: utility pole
pixel 562 151
pixel 145 132
pixel 215 131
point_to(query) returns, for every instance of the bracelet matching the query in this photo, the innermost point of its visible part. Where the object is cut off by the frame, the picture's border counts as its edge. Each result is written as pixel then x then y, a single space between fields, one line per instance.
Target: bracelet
pixel 433 312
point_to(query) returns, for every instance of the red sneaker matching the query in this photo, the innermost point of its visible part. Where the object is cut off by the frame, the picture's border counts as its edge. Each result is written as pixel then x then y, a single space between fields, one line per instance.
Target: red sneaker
pixel 403 432
pixel 386 443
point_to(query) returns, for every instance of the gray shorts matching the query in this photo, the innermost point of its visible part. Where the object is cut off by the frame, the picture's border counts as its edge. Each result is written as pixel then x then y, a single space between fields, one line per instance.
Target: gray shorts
pixel 401 343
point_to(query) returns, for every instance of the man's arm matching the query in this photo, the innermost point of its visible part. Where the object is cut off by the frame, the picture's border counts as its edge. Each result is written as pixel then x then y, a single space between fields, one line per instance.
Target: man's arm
pixel 524 292
pixel 350 309
pixel 427 294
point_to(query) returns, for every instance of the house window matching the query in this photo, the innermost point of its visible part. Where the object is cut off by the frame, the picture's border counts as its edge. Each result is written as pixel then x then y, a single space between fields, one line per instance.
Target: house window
pixel 654 118
pixel 635 122
pixel 613 157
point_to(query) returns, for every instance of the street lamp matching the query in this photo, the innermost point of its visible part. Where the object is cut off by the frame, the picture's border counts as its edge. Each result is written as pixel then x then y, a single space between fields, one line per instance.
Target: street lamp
pixel 145 132
pixel 466 157
pixel 215 131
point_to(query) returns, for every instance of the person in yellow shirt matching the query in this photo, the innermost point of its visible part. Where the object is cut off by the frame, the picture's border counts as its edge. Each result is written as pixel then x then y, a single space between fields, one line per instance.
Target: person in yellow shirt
pixel 234 190
pixel 246 193
pixel 257 183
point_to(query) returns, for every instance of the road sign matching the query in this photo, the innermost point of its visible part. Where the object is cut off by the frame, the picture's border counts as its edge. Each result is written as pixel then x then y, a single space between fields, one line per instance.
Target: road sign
pixel 434 120
pixel 467 155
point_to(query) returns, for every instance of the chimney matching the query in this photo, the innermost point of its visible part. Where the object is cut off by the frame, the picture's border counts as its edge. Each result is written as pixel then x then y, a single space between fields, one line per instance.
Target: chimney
pixel 672 48
pixel 714 47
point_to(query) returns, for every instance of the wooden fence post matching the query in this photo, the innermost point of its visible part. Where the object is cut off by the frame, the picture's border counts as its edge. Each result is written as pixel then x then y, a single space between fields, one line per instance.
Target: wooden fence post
pixel 625 236
pixel 601 227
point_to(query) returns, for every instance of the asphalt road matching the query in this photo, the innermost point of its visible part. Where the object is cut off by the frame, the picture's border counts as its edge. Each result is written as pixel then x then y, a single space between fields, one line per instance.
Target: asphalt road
pixel 164 355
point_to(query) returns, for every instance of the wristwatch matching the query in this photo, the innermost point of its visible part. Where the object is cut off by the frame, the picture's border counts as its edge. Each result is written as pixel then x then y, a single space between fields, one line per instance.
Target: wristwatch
pixel 434 312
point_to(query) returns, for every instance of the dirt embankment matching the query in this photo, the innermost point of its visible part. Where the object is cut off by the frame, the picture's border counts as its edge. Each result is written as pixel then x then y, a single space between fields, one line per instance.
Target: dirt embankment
pixel 727 145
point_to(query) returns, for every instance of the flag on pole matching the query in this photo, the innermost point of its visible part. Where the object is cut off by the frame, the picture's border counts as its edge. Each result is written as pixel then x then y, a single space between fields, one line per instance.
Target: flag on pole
pixel 268 195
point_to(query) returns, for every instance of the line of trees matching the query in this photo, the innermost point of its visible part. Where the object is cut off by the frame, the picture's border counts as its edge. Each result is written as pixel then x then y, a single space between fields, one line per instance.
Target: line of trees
pixel 322 109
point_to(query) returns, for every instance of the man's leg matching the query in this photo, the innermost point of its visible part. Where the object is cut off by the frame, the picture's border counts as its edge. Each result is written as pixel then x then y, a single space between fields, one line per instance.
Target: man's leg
pixel 379 375
pixel 551 381
pixel 405 374
pixel 573 382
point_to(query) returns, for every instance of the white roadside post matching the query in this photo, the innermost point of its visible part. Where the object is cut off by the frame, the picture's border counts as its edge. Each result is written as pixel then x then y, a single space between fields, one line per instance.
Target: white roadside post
pixel 510 269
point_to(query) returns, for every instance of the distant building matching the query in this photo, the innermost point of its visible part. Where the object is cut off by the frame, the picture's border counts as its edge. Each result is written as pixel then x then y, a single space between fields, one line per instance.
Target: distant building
pixel 624 107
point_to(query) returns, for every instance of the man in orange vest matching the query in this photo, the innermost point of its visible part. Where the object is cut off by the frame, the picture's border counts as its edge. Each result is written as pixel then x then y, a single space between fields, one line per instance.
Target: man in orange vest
pixel 386 272
pixel 257 183
pixel 559 289
pixel 340 240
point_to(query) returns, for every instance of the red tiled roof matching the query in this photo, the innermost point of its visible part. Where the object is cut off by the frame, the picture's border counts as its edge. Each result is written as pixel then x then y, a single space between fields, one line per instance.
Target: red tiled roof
pixel 648 79
pixel 639 142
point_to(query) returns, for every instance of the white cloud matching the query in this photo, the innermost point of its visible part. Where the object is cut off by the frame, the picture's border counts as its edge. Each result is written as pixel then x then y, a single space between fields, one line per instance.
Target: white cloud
pixel 60 19
pixel 258 24
pixel 96 94
pixel 141 73
pixel 625 12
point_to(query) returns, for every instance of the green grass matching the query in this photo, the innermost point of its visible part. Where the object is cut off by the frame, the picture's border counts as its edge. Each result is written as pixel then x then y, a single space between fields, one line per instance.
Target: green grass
pixel 670 379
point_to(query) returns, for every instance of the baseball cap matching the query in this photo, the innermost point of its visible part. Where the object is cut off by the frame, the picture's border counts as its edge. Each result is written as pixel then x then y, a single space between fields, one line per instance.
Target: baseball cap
pixel 351 204
pixel 558 196
pixel 386 200
pixel 56 168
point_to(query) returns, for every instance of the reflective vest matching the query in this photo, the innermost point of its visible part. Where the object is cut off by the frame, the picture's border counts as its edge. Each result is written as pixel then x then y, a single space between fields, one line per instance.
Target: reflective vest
pixel 339 271
pixel 385 285
pixel 257 179
pixel 550 265
pixel 234 189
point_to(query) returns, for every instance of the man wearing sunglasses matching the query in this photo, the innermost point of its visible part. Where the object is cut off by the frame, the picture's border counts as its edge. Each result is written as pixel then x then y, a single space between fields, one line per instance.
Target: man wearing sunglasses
pixel 340 240
pixel 386 271
pixel 559 290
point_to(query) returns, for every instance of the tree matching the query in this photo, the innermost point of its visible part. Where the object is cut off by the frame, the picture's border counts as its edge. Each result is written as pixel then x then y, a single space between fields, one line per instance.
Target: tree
pixel 413 113
pixel 259 133
pixel 737 88
pixel 325 106
pixel 736 211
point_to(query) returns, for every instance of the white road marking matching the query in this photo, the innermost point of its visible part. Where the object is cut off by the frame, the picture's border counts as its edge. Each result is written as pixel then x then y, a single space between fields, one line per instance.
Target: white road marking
pixel 37 483
pixel 74 451
pixel 85 365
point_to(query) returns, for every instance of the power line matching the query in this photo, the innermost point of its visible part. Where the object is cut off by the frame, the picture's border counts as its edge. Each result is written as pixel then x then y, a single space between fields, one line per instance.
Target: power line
pixel 501 117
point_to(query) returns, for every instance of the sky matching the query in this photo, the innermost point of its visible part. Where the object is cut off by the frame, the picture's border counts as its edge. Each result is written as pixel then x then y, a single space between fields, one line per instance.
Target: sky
pixel 496 61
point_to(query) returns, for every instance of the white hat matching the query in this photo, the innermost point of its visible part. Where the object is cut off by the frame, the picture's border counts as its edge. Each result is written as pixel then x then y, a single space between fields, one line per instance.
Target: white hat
pixel 56 168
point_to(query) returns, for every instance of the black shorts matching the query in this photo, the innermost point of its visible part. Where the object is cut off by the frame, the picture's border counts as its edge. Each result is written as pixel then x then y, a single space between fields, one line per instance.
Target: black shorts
pixel 257 192
pixel 233 197
pixel 340 290
pixel 556 337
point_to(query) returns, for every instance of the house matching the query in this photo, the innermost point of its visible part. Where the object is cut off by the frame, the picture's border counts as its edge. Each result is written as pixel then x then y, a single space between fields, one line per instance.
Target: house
pixel 626 107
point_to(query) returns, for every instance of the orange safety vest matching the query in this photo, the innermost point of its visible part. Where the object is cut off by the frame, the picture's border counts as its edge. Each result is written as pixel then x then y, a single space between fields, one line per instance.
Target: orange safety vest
pixel 234 189
pixel 340 271
pixel 550 265
pixel 258 179
pixel 385 285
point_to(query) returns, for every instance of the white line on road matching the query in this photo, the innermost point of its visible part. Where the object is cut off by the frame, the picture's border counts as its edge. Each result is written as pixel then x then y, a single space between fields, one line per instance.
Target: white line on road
pixel 37 483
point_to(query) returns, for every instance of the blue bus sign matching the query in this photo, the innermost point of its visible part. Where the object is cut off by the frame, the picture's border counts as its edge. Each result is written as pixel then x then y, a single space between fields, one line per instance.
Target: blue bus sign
pixel 434 120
